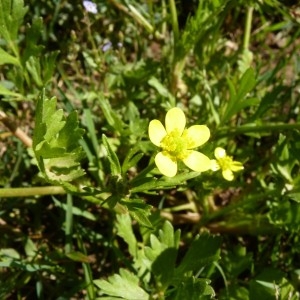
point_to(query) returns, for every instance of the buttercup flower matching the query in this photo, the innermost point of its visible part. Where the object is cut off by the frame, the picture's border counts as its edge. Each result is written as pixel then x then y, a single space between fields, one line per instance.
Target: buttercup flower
pixel 176 143
pixel 225 163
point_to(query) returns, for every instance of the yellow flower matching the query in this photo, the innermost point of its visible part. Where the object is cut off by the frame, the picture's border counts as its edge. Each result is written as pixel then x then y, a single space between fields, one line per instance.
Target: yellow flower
pixel 176 143
pixel 225 163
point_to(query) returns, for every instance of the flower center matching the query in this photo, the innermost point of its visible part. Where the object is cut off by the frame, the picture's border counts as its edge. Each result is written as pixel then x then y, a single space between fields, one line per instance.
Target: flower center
pixel 225 162
pixel 175 144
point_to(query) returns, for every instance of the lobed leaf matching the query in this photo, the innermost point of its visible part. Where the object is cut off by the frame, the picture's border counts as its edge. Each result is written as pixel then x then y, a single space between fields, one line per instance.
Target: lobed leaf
pixel 12 13
pixel 124 285
pixel 194 289
pixel 56 142
pixel 203 250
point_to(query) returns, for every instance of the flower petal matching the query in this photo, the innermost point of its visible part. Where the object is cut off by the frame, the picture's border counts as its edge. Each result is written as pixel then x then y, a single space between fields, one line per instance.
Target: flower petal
pixel 156 132
pixel 175 120
pixel 236 166
pixel 197 135
pixel 166 165
pixel 197 161
pixel 220 153
pixel 214 165
pixel 227 174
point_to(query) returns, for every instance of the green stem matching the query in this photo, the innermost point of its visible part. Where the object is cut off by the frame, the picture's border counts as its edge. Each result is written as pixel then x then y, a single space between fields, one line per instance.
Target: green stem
pixel 226 131
pixel 187 206
pixel 91 40
pixel 31 191
pixel 248 28
pixel 174 20
pixel 164 17
pixel 140 19
pixel 69 224
pixel 88 274
pixel 258 226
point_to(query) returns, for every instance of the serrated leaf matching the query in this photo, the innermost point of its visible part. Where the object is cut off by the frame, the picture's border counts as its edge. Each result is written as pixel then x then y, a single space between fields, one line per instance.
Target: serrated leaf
pixel 167 239
pixel 164 265
pixel 125 286
pixel 167 235
pixel 115 166
pixel 139 210
pixel 12 13
pixel 203 251
pixel 56 143
pixel 141 217
pixel 33 66
pixel 33 34
pixel 194 289
pixel 49 60
pixel 124 230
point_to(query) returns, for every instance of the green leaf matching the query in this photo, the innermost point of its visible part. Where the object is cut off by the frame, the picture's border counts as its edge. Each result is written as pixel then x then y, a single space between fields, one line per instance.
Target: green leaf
pixel 124 286
pixel 56 142
pixel 9 253
pixel 167 239
pixel 75 210
pixel 6 58
pixel 49 65
pixel 141 217
pixel 269 283
pixel 112 118
pixel 247 83
pixel 30 247
pixel 234 292
pixel 78 256
pixel 115 166
pixel 148 184
pixel 139 210
pixel 12 13
pixel 168 236
pixel 124 229
pixel 237 100
pixel 194 289
pixel 33 34
pixel 6 92
pixel 198 27
pixel 161 89
pixel 132 158
pixel 164 265
pixel 33 66
pixel 41 69
pixel 294 195
pixel 203 251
